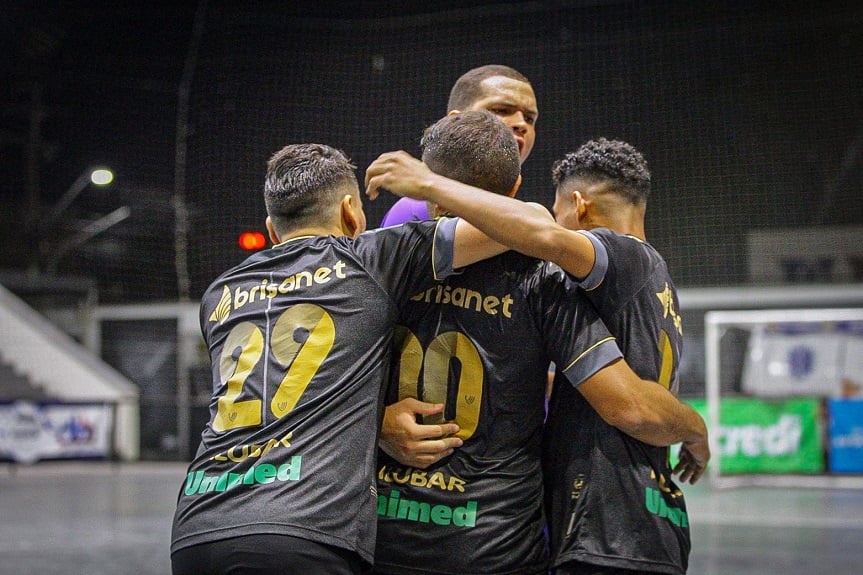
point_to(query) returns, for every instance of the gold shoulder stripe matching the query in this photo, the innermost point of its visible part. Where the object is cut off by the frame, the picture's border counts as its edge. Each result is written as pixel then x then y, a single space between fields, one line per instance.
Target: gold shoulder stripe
pixel 587 351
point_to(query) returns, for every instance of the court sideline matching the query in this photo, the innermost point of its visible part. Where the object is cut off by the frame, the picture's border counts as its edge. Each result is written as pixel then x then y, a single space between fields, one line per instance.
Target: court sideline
pixel 100 518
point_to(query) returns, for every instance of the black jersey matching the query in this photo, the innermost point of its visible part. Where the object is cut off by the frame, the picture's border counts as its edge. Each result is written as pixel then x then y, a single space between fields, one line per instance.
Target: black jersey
pixel 611 498
pixel 300 338
pixel 481 343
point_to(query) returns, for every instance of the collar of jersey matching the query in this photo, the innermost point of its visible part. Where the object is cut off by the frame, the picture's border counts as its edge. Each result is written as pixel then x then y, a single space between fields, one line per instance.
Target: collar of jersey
pixel 294 239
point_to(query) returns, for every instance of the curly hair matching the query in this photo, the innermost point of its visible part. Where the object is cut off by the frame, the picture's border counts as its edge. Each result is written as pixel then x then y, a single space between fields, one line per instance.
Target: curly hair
pixel 602 160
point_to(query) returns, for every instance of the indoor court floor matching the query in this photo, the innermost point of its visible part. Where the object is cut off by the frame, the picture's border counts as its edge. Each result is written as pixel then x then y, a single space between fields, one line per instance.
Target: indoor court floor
pixel 96 518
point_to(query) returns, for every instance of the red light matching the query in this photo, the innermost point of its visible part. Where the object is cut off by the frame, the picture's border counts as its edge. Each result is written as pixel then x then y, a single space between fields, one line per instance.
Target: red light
pixel 251 241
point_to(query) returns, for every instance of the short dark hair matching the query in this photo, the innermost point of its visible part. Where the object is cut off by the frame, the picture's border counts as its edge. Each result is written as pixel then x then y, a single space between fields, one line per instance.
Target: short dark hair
pixel 607 160
pixel 467 89
pixel 304 182
pixel 475 148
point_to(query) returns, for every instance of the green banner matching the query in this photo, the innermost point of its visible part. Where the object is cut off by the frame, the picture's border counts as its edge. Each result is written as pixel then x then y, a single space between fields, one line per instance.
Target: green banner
pixel 767 436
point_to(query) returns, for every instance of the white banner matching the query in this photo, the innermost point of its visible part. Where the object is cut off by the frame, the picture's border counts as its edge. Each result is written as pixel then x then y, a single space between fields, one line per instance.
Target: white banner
pixel 852 376
pixel 788 360
pixel 30 432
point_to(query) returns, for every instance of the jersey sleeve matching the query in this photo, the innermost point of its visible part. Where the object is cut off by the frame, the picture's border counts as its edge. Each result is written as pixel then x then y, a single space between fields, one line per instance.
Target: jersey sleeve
pixel 406 210
pixel 599 347
pixel 444 242
pixel 600 265
pixel 410 257
pixel 578 341
pixel 624 266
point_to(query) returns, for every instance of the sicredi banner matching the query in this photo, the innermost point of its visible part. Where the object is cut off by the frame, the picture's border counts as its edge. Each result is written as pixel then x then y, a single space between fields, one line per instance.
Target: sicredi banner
pixel 767 436
pixel 846 435
pixel 30 432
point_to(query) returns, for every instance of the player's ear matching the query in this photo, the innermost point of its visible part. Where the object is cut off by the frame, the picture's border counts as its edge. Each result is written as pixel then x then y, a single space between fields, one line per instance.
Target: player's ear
pixel 271 230
pixel 353 219
pixel 580 204
pixel 515 187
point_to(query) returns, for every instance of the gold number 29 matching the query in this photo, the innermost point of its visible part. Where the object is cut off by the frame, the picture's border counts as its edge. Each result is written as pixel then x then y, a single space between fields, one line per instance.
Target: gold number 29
pixel 300 340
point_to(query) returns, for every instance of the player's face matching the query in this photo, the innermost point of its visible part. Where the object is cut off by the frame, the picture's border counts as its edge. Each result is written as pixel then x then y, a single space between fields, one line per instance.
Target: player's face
pixel 564 208
pixel 515 103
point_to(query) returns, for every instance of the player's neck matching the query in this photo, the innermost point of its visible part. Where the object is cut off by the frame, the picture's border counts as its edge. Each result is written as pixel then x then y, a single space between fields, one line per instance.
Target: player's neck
pixel 628 224
pixel 312 231
pixel 614 212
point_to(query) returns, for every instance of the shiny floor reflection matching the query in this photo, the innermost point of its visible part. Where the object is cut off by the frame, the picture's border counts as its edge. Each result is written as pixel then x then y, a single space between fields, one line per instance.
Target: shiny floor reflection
pixel 115 519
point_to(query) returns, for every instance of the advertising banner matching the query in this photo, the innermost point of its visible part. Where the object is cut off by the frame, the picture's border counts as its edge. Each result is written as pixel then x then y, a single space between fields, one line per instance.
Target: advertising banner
pixel 30 432
pixel 816 254
pixel 767 436
pixel 784 362
pixel 804 359
pixel 846 435
pixel 852 371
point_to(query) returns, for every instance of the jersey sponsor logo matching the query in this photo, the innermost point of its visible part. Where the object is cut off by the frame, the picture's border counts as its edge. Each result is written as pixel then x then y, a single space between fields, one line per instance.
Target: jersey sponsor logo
pixel 575 495
pixel 397 508
pixel 666 299
pixel 223 309
pixel 243 451
pixel 198 482
pixel 467 299
pixel 420 478
pixel 655 503
pixel 267 289
pixel 668 488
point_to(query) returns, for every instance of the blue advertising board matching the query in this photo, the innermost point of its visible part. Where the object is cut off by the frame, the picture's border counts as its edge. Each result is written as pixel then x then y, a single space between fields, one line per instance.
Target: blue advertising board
pixel 846 435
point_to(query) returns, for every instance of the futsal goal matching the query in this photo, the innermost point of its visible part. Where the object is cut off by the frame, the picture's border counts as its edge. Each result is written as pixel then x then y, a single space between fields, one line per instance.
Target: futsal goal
pixel 784 397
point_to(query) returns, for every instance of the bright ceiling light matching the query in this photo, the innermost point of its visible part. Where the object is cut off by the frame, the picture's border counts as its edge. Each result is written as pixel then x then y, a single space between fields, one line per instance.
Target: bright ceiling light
pixel 101 176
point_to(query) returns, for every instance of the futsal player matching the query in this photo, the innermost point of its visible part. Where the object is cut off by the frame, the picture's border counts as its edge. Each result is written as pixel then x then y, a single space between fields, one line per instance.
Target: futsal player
pixel 480 343
pixel 626 486
pixel 509 95
pixel 299 338
pixel 503 91
pixel 614 508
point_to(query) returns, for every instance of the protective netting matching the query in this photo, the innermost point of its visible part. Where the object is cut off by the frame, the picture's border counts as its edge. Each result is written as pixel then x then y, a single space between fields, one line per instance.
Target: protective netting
pixel 749 113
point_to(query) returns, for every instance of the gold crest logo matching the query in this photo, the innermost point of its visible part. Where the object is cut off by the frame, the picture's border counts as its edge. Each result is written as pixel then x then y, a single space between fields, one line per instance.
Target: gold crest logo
pixel 223 310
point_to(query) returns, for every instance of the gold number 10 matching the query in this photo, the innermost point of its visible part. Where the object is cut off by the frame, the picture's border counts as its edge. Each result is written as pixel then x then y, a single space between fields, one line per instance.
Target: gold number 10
pixel 436 361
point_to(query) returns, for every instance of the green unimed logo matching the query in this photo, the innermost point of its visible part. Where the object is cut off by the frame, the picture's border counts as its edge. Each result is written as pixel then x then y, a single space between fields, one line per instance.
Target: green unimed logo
pixel 396 507
pixel 198 482
pixel 656 504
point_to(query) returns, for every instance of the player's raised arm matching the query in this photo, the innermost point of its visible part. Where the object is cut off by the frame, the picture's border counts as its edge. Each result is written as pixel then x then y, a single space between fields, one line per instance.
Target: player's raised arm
pixel 401 173
pixel 398 173
pixel 519 225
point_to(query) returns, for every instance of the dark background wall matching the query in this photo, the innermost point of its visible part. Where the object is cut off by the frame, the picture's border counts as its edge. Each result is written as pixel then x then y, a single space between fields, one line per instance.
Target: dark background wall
pixel 749 113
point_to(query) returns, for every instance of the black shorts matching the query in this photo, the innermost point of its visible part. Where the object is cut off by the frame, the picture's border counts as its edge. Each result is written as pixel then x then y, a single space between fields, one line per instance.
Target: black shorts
pixel 579 568
pixel 265 554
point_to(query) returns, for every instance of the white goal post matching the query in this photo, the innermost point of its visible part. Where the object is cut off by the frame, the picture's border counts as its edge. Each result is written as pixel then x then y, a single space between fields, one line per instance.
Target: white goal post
pixel 719 323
